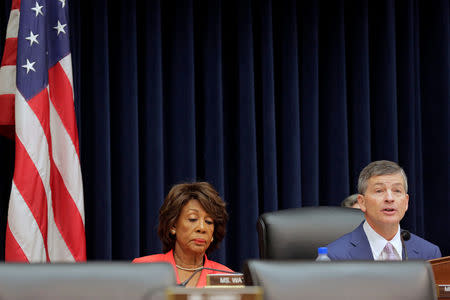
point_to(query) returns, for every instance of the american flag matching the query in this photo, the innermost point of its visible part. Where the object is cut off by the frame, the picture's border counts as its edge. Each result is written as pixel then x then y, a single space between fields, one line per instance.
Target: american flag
pixel 46 209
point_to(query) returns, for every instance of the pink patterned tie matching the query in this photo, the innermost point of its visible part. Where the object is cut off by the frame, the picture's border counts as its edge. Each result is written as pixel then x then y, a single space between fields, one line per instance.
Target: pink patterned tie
pixel 389 251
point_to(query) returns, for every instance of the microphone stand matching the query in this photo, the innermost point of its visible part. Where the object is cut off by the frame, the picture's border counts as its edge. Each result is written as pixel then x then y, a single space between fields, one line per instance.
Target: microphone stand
pixel 405 236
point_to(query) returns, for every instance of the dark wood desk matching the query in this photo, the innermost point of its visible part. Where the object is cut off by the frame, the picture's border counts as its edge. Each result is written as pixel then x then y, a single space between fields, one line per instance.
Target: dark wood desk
pixel 441 271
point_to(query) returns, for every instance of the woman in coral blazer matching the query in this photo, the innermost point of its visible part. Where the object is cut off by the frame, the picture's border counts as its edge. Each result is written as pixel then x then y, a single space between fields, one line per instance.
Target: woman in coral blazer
pixel 192 222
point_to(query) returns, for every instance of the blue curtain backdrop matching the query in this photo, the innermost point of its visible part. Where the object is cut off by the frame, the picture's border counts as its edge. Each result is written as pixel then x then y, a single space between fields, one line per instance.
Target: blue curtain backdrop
pixel 278 104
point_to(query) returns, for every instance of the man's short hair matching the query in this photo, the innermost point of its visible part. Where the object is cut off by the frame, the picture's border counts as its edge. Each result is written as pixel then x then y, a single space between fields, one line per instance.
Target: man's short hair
pixel 350 201
pixel 378 168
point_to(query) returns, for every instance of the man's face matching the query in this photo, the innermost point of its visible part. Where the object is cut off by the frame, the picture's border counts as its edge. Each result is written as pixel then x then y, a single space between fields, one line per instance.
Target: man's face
pixel 385 201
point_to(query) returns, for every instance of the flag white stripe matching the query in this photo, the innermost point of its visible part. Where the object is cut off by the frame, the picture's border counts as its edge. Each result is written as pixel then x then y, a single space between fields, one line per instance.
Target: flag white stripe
pixel 57 247
pixel 66 159
pixel 31 133
pixel 34 140
pixel 24 227
pixel 8 80
pixel 66 64
pixel 13 24
pixel 35 143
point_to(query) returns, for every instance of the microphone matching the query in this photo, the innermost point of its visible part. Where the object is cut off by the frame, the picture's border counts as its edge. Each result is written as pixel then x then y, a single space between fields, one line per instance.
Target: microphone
pixel 405 236
pixel 184 283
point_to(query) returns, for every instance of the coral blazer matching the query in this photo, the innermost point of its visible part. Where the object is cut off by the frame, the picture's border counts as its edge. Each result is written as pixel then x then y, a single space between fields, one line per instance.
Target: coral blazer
pixel 168 257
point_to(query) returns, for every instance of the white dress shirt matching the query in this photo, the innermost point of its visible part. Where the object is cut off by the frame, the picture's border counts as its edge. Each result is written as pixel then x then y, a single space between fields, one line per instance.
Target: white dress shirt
pixel 377 243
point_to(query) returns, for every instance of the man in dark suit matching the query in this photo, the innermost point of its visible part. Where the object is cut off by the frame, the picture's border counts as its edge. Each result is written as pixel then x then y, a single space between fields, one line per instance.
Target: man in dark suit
pixel 383 197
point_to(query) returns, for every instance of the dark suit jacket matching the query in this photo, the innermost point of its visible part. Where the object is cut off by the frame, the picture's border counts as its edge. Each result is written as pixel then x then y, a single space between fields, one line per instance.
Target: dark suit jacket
pixel 355 246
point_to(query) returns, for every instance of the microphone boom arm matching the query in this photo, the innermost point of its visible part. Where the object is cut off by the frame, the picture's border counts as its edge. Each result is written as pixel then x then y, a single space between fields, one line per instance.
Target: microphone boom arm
pixel 184 283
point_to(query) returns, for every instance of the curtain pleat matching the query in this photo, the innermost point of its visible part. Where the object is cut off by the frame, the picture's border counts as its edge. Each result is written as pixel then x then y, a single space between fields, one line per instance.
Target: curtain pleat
pixel 94 127
pixel 265 107
pixel 308 22
pixel 124 128
pixel 151 133
pixel 408 93
pixel 179 92
pixel 333 132
pixel 287 93
pixel 358 87
pixel 434 21
pixel 383 80
pixel 242 190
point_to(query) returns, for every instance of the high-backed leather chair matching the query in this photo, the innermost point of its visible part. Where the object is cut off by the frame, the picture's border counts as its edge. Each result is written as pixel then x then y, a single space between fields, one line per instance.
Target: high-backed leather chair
pixel 297 233
pixel 342 280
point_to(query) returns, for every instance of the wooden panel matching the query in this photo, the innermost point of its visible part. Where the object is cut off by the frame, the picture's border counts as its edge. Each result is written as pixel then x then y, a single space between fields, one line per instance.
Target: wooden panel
pixel 441 269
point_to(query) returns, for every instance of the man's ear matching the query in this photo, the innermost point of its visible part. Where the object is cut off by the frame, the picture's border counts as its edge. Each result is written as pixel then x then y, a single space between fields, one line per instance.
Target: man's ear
pixel 362 202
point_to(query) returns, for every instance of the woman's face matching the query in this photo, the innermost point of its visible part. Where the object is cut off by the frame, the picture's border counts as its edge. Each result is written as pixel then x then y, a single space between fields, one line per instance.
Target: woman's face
pixel 194 229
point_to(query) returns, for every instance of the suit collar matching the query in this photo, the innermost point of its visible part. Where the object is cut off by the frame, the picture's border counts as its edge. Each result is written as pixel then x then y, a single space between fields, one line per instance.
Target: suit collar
pixel 378 242
pixel 361 248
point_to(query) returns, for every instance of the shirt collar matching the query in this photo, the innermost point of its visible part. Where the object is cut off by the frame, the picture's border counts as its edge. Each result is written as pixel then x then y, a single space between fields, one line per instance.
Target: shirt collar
pixel 377 242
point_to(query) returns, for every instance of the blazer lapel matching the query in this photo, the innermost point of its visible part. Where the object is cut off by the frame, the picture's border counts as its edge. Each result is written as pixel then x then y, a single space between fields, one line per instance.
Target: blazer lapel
pixel 361 247
pixel 411 249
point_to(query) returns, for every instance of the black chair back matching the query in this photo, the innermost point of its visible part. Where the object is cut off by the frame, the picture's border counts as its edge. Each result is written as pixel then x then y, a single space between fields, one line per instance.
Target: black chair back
pixel 342 280
pixel 297 233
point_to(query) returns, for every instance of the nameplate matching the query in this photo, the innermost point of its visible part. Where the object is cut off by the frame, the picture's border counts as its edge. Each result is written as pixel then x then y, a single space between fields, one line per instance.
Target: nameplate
pixel 230 293
pixel 443 290
pixel 223 280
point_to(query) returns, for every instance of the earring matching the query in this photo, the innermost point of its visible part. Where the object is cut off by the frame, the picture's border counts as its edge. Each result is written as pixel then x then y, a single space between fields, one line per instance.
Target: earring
pixel 212 239
pixel 173 231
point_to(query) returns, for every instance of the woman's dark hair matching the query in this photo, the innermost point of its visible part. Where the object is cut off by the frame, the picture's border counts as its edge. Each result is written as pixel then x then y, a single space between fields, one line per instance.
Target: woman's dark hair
pixel 178 196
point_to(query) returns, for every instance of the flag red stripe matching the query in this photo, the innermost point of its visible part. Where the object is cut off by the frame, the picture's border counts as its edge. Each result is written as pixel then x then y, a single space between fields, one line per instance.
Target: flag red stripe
pixel 61 95
pixel 67 216
pixel 40 106
pixel 10 52
pixel 30 186
pixel 15 4
pixel 7 109
pixel 13 253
